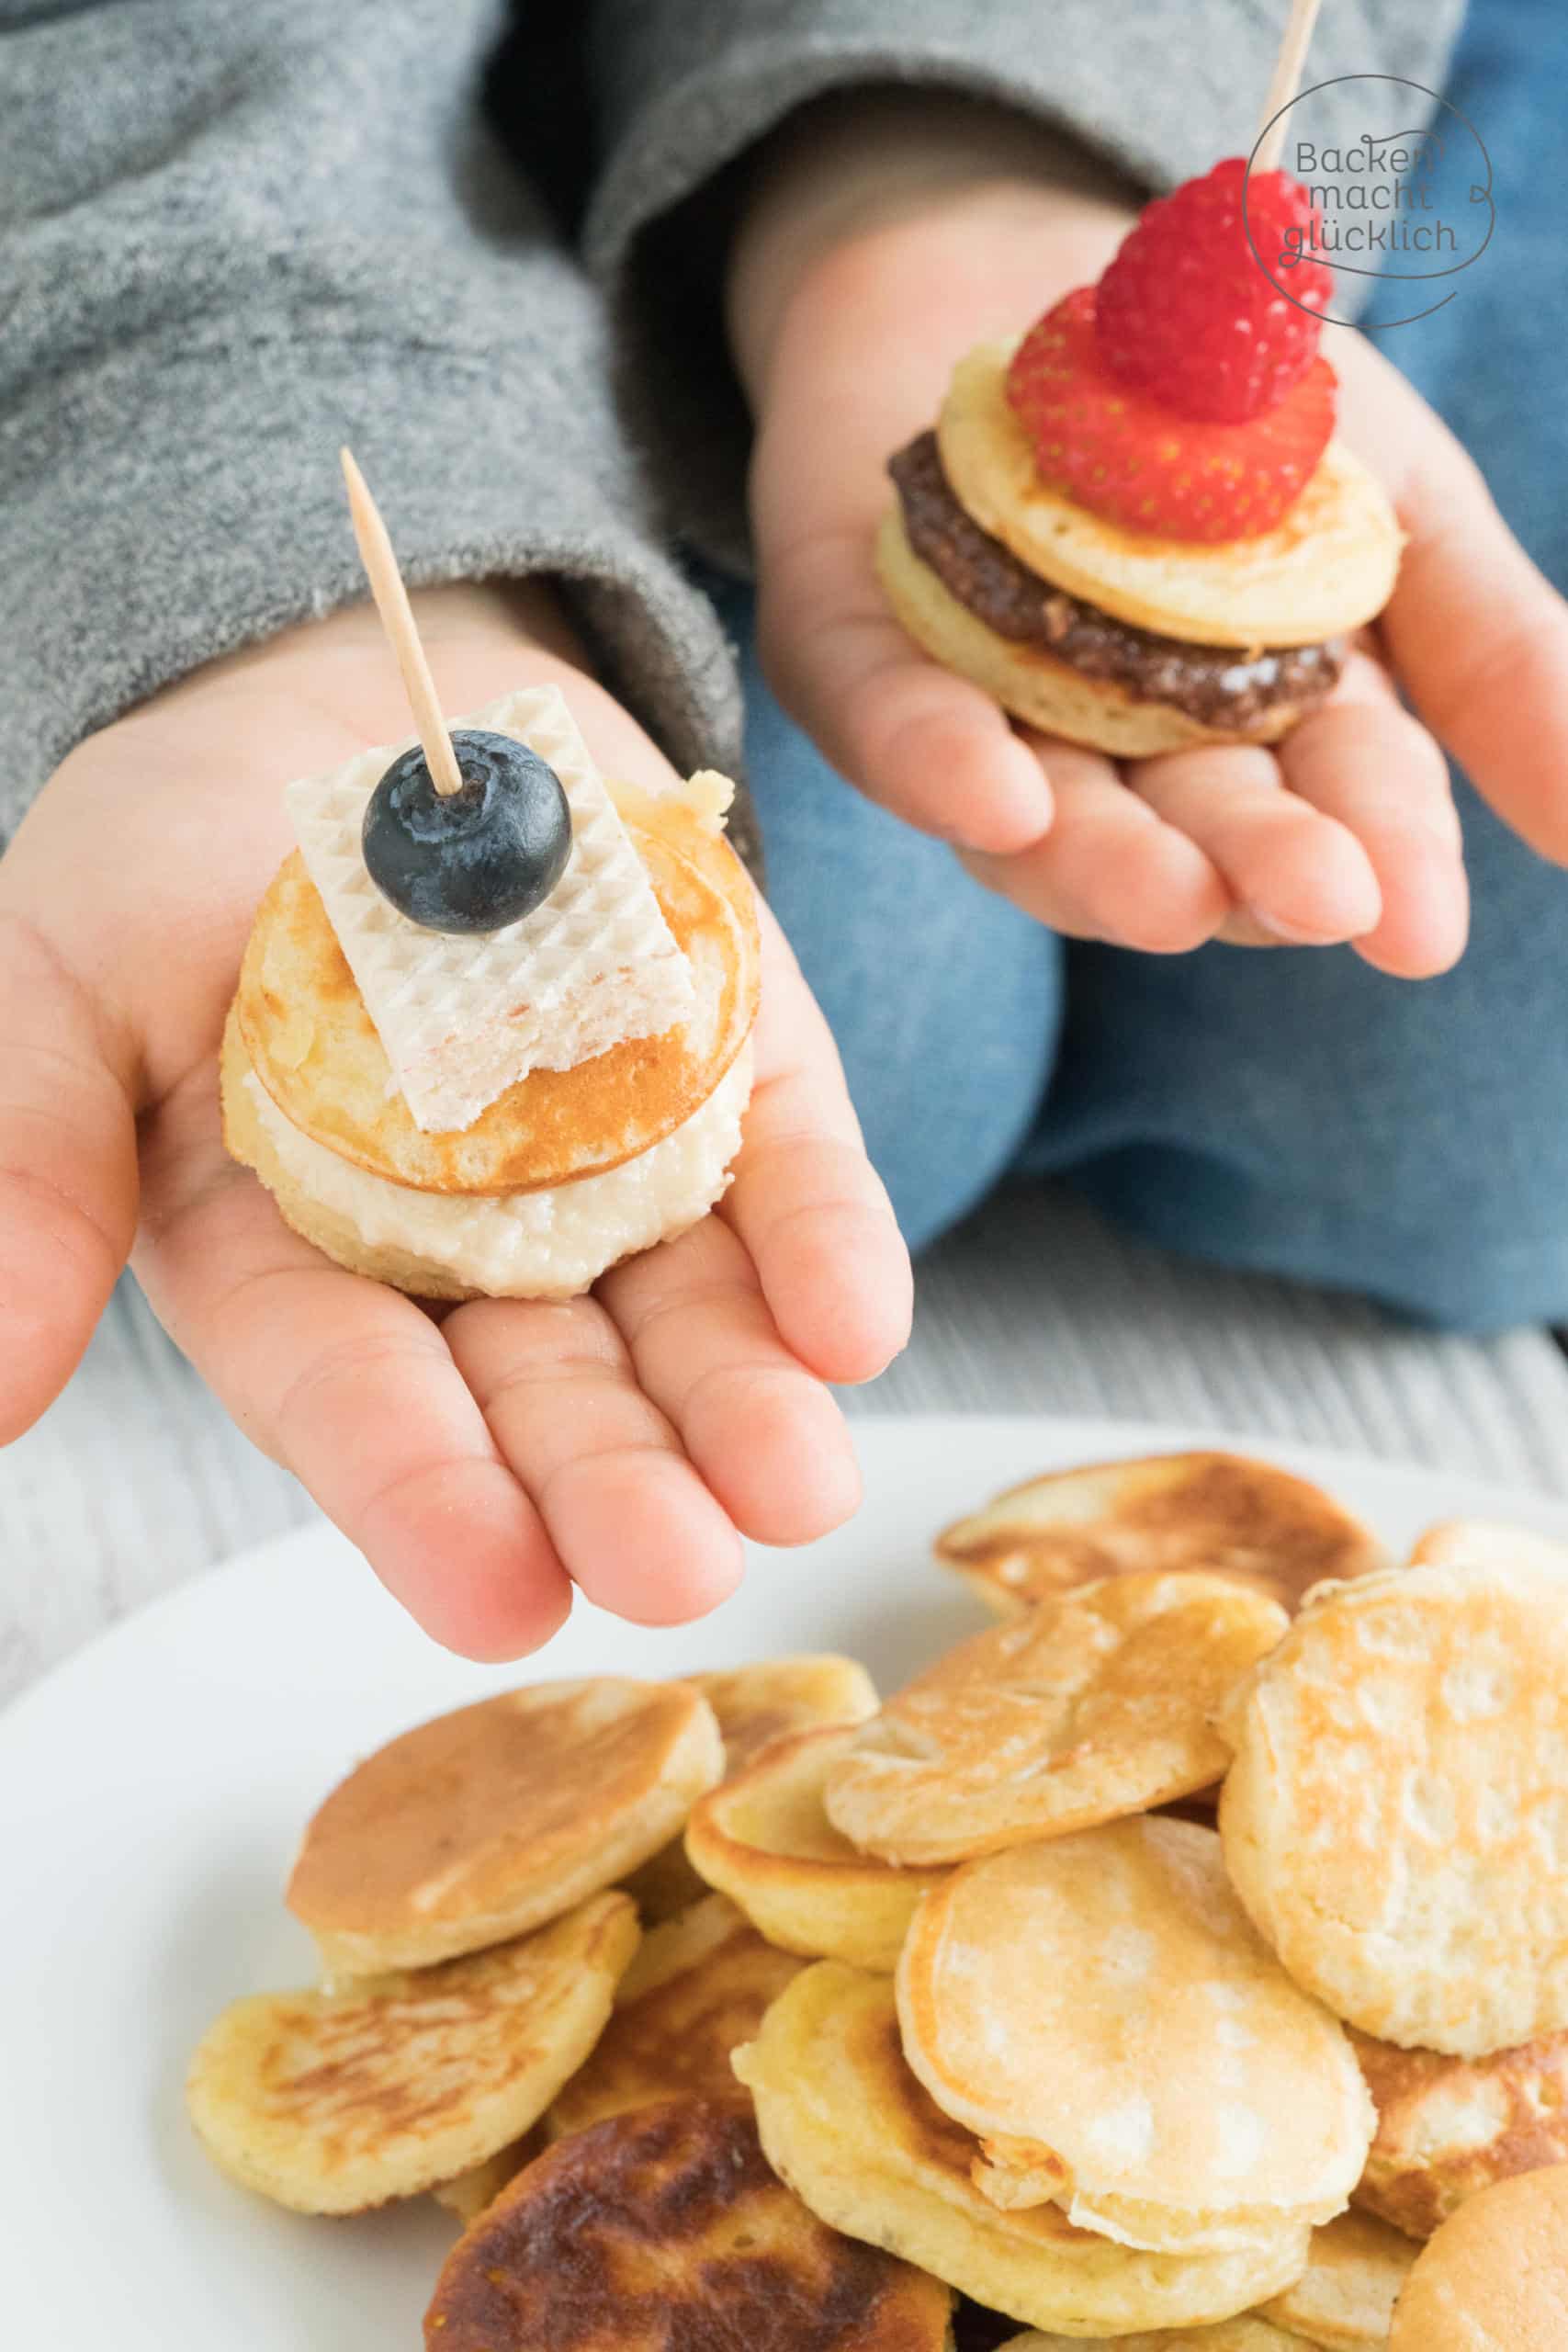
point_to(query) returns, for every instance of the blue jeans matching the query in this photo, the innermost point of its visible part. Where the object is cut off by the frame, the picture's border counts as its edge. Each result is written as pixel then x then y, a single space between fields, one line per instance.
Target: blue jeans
pixel 1292 1111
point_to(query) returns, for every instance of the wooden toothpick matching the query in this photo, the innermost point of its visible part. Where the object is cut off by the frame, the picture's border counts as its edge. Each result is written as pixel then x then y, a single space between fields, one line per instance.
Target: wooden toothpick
pixel 1282 88
pixel 397 619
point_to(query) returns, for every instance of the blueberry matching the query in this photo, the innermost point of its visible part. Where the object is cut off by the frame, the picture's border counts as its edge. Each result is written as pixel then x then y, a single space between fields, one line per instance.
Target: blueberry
pixel 472 860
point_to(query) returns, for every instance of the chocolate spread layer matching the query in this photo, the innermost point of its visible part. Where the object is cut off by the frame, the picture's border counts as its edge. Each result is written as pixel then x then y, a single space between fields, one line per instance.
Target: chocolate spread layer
pixel 1212 684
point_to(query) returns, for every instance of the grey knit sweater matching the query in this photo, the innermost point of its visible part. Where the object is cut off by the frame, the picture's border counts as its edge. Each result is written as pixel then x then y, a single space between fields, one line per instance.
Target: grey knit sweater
pixel 234 233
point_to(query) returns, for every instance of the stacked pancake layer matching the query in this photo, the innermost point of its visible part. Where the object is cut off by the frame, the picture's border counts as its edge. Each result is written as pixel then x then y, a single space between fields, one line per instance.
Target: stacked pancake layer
pixel 1135 644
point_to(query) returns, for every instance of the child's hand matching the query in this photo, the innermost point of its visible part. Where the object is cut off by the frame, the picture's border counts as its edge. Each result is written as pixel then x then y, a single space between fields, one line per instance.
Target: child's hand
pixel 485 1462
pixel 870 259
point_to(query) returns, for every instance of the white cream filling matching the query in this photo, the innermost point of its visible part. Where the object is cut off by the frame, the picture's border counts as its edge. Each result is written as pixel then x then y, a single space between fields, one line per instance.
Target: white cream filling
pixel 547 1244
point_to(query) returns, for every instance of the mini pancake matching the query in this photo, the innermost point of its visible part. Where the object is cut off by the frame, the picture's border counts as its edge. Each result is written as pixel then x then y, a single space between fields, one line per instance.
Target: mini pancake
pixel 765 1840
pixel 1098 2011
pixel 1093 1705
pixel 846 2123
pixel 754 1706
pixel 1249 2333
pixel 1344 2300
pixel 697 1989
pixel 335 2103
pixel 1396 1816
pixel 1448 2127
pixel 666 2228
pixel 1327 567
pixel 489 1821
pixel 1237 1518
pixel 1486 1543
pixel 1038 687
pixel 468 2193
pixel 309 1040
pixel 1493 2278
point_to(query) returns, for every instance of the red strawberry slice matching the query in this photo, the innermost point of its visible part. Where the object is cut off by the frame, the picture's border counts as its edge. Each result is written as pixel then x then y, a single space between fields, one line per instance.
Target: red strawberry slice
pixel 1130 458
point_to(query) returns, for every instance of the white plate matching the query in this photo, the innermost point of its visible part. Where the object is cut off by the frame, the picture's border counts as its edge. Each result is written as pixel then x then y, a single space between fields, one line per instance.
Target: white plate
pixel 150 1794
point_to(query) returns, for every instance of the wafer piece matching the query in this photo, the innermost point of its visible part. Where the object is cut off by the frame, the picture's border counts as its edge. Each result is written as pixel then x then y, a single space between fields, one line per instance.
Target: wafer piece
pixel 1244 1520
pixel 491 1820
pixel 1099 2012
pixel 1494 2279
pixel 666 2228
pixel 1448 2127
pixel 332 2104
pixel 846 2123
pixel 754 1705
pixel 1488 1544
pixel 765 1840
pixel 699 1987
pixel 1396 1816
pixel 1094 1705
pixel 1344 2300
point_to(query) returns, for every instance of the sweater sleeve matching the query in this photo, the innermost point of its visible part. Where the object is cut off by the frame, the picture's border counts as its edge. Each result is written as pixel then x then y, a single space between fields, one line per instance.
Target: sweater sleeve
pixel 685 89
pixel 234 234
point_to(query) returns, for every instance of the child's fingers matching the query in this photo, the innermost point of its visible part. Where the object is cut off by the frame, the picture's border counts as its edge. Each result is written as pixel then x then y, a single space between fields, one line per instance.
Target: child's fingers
pixel 1110 868
pixel 1365 762
pixel 1301 875
pixel 630 1518
pixel 68 1181
pixel 351 1386
pixel 811 1212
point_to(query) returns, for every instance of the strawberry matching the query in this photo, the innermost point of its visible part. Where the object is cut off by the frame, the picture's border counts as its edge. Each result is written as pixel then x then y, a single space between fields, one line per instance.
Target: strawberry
pixel 1127 457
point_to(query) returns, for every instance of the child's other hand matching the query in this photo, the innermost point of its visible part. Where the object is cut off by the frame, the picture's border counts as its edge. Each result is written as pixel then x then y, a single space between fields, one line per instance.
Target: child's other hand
pixel 877 249
pixel 486 1462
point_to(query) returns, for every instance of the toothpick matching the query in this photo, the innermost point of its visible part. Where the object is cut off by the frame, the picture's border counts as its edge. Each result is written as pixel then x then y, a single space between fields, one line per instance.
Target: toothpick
pixel 397 619
pixel 1282 88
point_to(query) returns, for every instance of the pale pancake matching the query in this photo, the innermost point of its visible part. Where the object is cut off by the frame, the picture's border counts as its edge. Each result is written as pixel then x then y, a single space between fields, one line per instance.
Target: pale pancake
pixel 1249 2333
pixel 468 2193
pixel 846 2123
pixel 1094 1705
pixel 1249 1521
pixel 1344 2300
pixel 1327 567
pixel 754 1705
pixel 315 1049
pixel 332 2104
pixel 1487 1544
pixel 1448 2127
pixel 493 1819
pixel 1396 1816
pixel 1100 2012
pixel 666 2228
pixel 765 1840
pixel 697 1989
pixel 1494 2279
pixel 1033 684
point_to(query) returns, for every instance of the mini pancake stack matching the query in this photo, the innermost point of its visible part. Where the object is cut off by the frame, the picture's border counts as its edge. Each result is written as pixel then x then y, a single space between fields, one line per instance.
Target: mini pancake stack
pixel 1015 2027
pixel 1124 549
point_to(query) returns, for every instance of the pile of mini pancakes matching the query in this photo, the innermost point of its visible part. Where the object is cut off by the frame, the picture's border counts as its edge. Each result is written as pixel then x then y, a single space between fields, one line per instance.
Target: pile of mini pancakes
pixel 1159 1968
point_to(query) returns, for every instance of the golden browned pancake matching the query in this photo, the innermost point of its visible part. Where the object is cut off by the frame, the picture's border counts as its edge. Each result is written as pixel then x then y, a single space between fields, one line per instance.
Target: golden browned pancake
pixel 765 1840
pixel 846 2123
pixel 699 1987
pixel 1097 1703
pixel 1327 567
pixel 1222 1513
pixel 754 1706
pixel 311 1042
pixel 489 1821
pixel 1344 2300
pixel 1396 1818
pixel 1494 2279
pixel 332 2104
pixel 468 2193
pixel 1487 1543
pixel 1097 2011
pixel 1247 2333
pixel 1448 2127
pixel 664 2231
